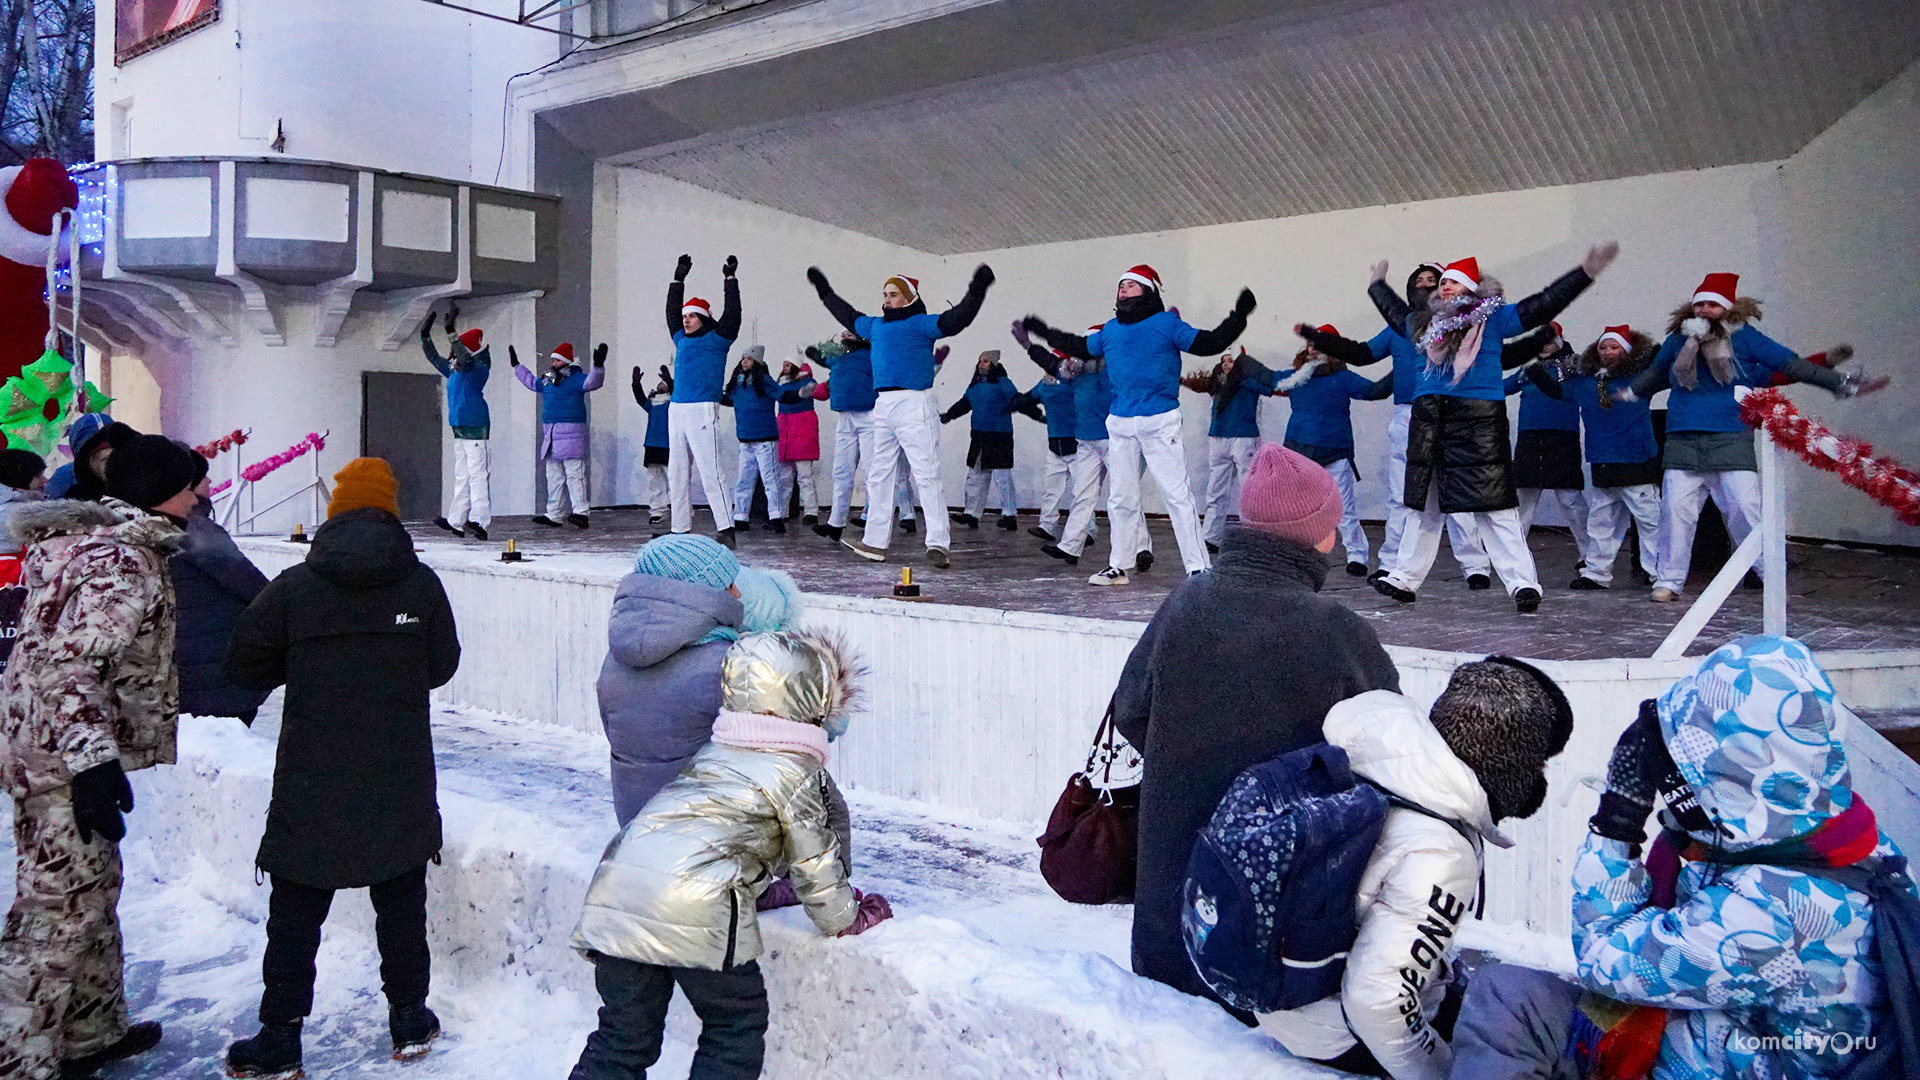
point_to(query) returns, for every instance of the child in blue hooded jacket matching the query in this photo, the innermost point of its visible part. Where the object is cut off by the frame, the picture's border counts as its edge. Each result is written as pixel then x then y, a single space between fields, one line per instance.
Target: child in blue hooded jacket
pixel 753 396
pixel 992 399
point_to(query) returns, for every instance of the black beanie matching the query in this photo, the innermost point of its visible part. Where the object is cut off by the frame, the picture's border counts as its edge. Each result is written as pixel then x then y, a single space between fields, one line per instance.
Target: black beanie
pixel 1504 719
pixel 200 464
pixel 19 467
pixel 148 470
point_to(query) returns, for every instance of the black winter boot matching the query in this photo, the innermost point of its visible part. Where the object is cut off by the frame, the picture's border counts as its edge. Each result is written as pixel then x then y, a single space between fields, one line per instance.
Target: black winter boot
pixel 1011 524
pixel 831 532
pixel 447 525
pixel 542 519
pixel 779 526
pixel 274 1054
pixel 139 1039
pixel 476 530
pixel 413 1028
pixel 578 521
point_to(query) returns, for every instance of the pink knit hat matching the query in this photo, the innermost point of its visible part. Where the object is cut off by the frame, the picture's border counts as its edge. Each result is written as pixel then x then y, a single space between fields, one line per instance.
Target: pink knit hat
pixel 1287 495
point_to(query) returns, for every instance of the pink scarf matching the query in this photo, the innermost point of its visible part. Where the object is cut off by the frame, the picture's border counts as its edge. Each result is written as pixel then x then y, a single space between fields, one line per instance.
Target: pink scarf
pixel 757 731
pixel 1473 323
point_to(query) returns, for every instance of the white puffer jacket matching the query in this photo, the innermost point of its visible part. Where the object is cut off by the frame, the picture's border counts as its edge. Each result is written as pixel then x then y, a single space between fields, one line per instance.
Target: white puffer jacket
pixel 1417 889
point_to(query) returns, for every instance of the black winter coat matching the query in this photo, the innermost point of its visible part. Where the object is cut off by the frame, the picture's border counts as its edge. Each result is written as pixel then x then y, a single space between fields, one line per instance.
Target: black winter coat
pixel 1239 665
pixel 212 584
pixel 1464 445
pixel 359 633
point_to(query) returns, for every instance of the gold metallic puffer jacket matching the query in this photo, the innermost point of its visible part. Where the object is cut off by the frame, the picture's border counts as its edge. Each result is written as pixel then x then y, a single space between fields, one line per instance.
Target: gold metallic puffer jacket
pixel 677 886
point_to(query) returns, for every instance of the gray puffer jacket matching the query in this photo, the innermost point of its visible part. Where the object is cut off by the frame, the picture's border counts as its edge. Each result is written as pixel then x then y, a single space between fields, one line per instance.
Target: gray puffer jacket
pixel 660 686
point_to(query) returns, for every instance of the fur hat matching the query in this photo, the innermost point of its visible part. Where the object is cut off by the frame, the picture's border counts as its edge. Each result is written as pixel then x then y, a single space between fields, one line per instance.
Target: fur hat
pixel 366 482
pixel 148 470
pixel 1503 718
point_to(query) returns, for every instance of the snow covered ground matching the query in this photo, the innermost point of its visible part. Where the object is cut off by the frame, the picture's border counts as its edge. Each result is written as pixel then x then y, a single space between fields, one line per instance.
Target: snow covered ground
pixel 983 972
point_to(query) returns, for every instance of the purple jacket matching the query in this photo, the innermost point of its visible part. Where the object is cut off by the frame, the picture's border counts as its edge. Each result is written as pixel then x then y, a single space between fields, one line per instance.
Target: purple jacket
pixel 563 409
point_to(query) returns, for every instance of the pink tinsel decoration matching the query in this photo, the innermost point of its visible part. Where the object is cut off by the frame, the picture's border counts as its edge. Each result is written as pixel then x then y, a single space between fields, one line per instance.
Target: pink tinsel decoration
pixel 259 470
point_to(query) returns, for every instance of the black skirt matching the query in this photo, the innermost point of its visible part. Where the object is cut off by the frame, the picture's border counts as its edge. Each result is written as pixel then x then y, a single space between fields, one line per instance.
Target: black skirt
pixel 990 450
pixel 1548 459
pixel 1617 474
pixel 655 455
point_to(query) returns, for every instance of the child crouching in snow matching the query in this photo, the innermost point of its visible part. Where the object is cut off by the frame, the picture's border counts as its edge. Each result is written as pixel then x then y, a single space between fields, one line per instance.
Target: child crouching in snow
pixel 673 899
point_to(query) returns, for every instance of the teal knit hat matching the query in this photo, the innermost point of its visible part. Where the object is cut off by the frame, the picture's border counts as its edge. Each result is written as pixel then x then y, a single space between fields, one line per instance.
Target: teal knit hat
pixel 770 599
pixel 697 560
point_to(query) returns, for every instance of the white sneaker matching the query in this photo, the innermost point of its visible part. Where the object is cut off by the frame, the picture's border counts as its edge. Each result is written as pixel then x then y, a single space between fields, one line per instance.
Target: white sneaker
pixel 1112 575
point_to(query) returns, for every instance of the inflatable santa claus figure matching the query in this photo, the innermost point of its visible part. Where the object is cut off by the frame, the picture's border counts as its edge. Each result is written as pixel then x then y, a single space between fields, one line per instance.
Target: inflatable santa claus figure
pixel 35 192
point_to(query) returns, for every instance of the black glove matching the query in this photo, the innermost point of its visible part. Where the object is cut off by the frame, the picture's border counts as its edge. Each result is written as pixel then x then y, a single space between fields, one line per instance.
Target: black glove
pixel 1243 306
pixel 637 379
pixel 1640 761
pixel 600 355
pixel 982 277
pixel 513 358
pixel 453 312
pixel 426 328
pixel 1034 324
pixel 100 796
pixel 813 353
pixel 819 281
pixel 682 268
pixel 727 268
pixel 666 376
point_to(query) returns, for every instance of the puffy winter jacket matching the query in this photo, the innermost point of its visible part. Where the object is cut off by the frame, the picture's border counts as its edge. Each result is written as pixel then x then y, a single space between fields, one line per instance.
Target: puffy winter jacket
pixel 851 388
pixel 1057 397
pixel 563 408
pixel 359 633
pixel 1748 951
pixel 466 374
pixel 1414 894
pixel 91 678
pixel 752 400
pixel 1710 404
pixel 11 499
pixel 1322 409
pixel 676 887
pixel 657 413
pixel 212 584
pixel 659 688
pixel 700 360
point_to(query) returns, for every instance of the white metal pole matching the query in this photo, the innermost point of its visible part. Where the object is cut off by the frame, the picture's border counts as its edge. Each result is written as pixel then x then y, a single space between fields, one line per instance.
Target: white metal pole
pixel 1773 524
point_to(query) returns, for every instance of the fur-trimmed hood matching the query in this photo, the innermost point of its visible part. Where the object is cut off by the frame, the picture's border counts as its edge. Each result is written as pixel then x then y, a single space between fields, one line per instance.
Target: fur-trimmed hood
pixel 50 518
pixel 1638 357
pixel 1745 310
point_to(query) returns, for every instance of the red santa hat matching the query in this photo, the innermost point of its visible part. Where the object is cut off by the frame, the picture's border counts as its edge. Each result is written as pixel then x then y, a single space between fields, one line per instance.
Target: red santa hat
pixel 1466 272
pixel 1619 334
pixel 471 339
pixel 1434 265
pixel 1328 328
pixel 1144 275
pixel 1718 288
pixel 35 192
pixel 907 285
pixel 696 306
pixel 562 352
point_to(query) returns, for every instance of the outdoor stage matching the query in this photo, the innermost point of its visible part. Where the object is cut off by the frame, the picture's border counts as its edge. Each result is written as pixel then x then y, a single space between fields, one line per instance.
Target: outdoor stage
pixel 984 696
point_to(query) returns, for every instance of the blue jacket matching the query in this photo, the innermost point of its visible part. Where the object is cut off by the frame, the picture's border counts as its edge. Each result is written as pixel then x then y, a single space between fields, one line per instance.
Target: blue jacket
pixel 656 423
pixel 1617 432
pixel 851 388
pixel 1239 417
pixel 1748 951
pixel 991 403
pixel 1483 381
pixel 801 388
pixel 1062 419
pixel 466 376
pixel 1406 362
pixel 700 361
pixel 564 400
pixel 1710 405
pixel 902 349
pixel 1092 398
pixel 1322 413
pixel 212 584
pixel 1143 362
pixel 753 403
pixel 1538 412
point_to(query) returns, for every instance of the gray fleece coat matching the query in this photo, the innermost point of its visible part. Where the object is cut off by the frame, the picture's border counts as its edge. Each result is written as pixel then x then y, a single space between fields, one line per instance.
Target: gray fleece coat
pixel 660 690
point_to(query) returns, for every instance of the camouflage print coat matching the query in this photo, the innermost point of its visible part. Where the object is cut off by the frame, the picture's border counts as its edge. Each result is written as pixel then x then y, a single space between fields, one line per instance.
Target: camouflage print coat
pixel 92 677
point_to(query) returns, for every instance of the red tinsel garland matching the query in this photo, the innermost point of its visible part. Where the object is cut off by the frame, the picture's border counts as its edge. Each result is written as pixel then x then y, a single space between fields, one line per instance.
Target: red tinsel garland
pixel 221 445
pixel 1889 483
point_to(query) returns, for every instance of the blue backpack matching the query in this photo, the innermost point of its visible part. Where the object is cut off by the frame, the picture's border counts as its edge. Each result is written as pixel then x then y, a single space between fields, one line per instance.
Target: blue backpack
pixel 1267 911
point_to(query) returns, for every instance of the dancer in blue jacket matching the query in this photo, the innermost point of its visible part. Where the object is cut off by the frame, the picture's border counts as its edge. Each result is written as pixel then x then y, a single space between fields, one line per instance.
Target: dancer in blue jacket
pixel 992 399
pixel 700 346
pixel 850 394
pixel 1237 384
pixel 752 395
pixel 655 446
pixel 1321 392
pixel 465 368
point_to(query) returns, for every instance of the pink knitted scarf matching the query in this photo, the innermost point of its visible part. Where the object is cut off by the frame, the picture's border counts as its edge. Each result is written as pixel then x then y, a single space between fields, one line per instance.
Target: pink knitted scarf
pixel 757 731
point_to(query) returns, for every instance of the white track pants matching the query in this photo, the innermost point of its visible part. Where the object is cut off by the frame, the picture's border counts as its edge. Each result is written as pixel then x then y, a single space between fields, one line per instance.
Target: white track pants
pixel 1506 545
pixel 906 422
pixel 979 481
pixel 761 461
pixel 800 474
pixel 567 486
pixel 1461 534
pixel 1608 511
pixel 1572 503
pixel 1154 440
pixel 472 493
pixel 1352 537
pixel 852 448
pixel 693 438
pixel 1685 493
pixel 1056 491
pixel 1089 470
pixel 1227 463
pixel 656 489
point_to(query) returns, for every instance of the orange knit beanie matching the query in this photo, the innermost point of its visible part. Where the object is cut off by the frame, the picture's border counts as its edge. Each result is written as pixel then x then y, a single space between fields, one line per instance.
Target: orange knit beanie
pixel 365 482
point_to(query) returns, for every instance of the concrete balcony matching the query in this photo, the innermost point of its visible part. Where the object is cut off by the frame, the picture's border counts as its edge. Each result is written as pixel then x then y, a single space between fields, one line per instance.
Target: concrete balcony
pixel 172 245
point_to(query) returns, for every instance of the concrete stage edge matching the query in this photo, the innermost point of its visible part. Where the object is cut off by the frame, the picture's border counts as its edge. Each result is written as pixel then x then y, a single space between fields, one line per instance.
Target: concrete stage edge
pixel 990 711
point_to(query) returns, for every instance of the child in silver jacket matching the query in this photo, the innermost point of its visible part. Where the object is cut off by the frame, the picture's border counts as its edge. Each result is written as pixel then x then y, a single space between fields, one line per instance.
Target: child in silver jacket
pixel 672 902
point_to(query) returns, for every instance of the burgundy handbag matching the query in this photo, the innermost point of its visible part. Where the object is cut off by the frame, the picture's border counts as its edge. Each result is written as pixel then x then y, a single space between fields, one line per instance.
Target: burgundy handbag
pixel 1088 852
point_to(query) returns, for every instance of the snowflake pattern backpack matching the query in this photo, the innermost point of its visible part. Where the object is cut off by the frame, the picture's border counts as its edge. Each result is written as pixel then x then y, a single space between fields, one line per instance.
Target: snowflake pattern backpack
pixel 1267 910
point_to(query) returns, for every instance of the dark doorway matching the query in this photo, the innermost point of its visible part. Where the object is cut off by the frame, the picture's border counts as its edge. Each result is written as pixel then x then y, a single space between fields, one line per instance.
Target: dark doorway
pixel 400 422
